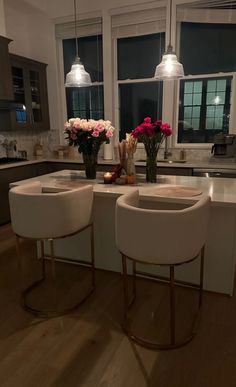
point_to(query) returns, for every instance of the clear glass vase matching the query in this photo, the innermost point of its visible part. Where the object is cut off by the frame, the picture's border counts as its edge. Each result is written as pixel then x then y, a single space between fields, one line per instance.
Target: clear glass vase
pixel 151 167
pixel 90 163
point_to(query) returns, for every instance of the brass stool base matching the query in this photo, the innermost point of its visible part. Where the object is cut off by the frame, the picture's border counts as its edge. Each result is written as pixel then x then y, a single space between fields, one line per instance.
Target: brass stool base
pixel 55 310
pixel 173 343
pixel 156 345
pixel 47 313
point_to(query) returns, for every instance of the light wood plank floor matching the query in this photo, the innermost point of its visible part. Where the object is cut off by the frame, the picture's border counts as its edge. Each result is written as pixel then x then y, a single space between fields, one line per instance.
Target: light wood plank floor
pixel 87 348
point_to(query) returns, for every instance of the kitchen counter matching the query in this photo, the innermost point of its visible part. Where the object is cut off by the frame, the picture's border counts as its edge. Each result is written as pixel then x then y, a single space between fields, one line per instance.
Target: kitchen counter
pixel 221 164
pixel 220 249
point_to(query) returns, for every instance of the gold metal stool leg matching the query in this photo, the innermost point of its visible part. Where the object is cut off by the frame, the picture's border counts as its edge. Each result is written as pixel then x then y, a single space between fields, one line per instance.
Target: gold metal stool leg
pixel 127 305
pixel 172 305
pixel 55 311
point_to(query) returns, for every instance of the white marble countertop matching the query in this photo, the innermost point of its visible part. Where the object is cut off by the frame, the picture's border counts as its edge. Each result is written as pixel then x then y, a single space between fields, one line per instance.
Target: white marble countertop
pixel 222 191
pixel 221 164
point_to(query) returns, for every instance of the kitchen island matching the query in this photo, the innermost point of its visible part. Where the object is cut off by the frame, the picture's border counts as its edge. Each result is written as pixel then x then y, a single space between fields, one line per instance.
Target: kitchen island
pixel 220 247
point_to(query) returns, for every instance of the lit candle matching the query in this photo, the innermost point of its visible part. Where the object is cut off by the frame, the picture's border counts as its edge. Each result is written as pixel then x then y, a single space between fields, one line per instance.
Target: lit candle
pixel 107 178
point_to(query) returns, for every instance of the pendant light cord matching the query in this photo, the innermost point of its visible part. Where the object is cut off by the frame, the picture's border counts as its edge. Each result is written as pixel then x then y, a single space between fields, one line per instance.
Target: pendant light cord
pixel 98 70
pixel 170 21
pixel 76 37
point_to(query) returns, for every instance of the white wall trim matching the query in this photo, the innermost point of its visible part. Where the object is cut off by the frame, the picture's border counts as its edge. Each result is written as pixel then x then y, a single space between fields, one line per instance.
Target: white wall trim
pixel 61 87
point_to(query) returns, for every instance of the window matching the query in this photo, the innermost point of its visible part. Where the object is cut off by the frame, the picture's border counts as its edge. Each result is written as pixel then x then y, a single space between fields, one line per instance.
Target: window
pixel 207 48
pixel 204 109
pixel 139 94
pixel 85 102
pixel 206 51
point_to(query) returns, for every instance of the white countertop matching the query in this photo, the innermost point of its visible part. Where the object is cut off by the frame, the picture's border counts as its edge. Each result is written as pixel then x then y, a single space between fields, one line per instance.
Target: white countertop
pixel 222 191
pixel 221 164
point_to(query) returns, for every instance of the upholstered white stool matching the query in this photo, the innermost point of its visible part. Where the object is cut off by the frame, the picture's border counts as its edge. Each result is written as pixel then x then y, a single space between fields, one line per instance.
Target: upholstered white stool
pixel 43 216
pixel 160 237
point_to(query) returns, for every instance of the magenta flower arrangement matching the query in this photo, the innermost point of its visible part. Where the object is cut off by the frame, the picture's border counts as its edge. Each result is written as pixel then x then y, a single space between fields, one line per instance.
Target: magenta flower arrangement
pixel 152 134
pixel 149 132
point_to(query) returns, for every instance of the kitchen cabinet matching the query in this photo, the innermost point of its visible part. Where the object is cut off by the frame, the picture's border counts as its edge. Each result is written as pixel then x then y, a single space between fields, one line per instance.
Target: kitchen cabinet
pixel 175 171
pixel 6 90
pixel 10 175
pixel 30 90
pixel 59 166
pixel 168 170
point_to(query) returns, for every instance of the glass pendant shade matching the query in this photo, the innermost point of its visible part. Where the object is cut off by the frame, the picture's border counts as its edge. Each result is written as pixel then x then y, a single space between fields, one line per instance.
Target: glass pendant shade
pixel 77 77
pixel 169 68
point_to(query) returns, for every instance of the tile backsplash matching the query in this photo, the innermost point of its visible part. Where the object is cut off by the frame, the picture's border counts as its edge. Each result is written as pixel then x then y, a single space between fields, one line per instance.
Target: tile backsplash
pixel 26 140
pixel 50 141
pixel 192 154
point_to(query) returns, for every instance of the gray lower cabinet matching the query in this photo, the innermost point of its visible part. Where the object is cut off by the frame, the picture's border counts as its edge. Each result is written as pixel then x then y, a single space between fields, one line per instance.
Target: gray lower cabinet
pixel 168 171
pixel 9 175
pixel 175 171
pixel 59 166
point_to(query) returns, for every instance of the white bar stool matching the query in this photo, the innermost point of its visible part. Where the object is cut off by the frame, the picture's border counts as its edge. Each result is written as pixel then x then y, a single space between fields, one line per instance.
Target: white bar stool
pixel 43 216
pixel 160 237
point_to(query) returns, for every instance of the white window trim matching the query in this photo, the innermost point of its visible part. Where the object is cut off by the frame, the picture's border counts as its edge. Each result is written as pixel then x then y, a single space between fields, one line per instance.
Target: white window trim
pixel 232 122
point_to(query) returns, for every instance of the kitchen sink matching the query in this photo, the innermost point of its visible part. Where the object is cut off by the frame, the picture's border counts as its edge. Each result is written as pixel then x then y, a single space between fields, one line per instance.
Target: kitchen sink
pixel 7 160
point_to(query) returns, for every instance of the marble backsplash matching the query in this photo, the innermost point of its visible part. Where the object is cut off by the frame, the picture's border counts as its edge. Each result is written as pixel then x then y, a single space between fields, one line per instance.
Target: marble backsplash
pixel 50 141
pixel 26 141
pixel 192 154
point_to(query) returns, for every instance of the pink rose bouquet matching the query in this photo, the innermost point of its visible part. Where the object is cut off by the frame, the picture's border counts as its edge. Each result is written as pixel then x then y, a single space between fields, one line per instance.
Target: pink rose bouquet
pixel 88 135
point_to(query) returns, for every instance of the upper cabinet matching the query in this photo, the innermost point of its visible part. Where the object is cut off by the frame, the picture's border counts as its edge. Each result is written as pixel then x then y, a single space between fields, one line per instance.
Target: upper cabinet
pixel 6 91
pixel 30 91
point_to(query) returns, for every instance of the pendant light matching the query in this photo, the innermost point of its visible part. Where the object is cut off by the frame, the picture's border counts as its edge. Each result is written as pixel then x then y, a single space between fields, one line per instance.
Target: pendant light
pixel 77 77
pixel 169 68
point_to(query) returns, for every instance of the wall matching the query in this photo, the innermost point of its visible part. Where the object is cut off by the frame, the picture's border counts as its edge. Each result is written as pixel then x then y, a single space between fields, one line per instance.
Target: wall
pixel 32 33
pixel 2 19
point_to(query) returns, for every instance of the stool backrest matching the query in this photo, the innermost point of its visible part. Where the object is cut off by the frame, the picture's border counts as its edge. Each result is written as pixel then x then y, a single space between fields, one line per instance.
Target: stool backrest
pixel 35 214
pixel 160 236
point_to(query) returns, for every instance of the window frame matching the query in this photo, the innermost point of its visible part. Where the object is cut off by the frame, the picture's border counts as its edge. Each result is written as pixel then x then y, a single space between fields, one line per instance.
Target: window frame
pixel 186 13
pixel 232 120
pixel 118 82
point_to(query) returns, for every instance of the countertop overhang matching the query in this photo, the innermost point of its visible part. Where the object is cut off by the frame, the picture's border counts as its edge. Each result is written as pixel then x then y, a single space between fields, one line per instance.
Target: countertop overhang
pixel 222 191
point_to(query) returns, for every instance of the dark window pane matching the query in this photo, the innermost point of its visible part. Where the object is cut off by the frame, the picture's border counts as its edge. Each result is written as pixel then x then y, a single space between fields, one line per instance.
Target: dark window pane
pixel 137 101
pixel 207 48
pixel 139 56
pixel 85 102
pixel 90 53
pixel 203 115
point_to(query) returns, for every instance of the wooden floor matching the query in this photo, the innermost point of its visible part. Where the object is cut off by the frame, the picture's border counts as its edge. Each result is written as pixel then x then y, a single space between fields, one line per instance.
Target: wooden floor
pixel 87 348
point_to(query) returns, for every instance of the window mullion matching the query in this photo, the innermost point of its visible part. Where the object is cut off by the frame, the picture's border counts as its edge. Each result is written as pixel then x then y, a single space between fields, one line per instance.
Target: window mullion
pixel 203 109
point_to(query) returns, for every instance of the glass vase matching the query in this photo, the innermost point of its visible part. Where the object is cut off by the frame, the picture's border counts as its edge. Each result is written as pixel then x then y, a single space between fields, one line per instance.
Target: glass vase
pixel 90 163
pixel 151 167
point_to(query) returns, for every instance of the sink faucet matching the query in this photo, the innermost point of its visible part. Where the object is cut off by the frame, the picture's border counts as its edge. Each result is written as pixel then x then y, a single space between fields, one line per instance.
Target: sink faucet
pixel 167 152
